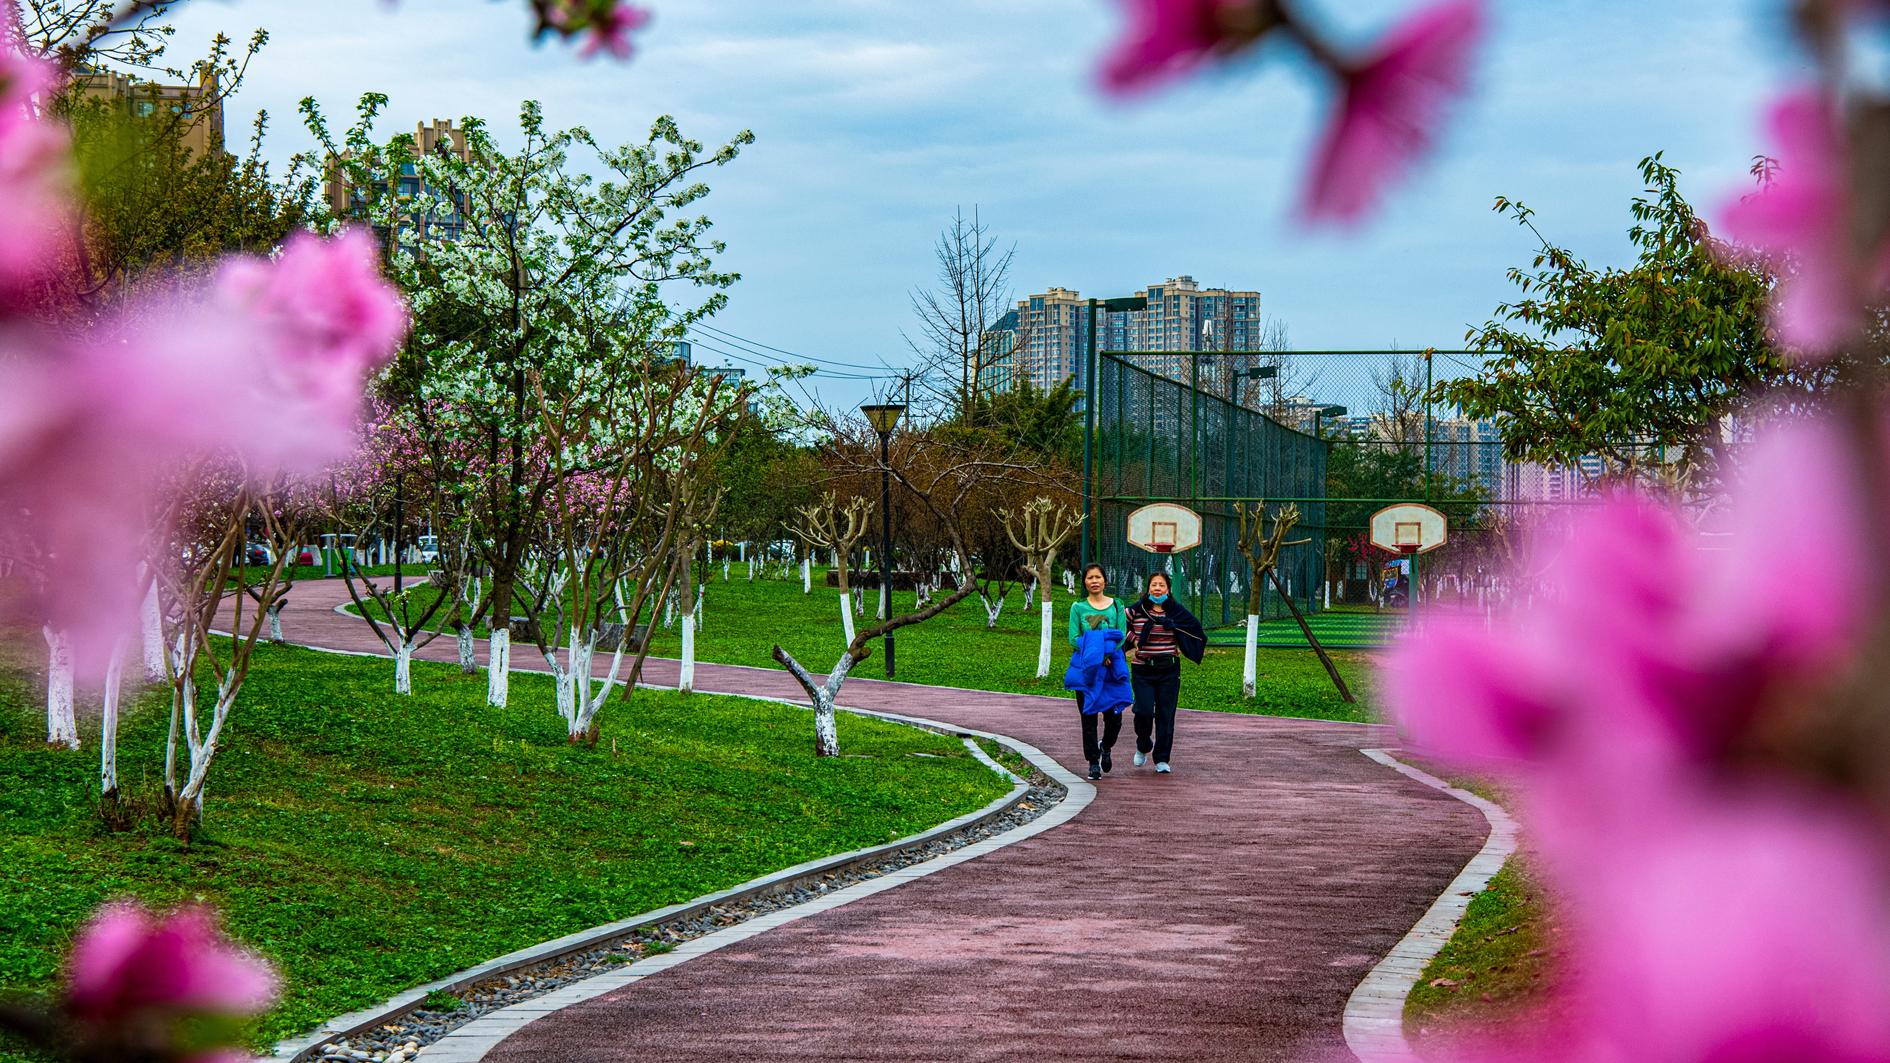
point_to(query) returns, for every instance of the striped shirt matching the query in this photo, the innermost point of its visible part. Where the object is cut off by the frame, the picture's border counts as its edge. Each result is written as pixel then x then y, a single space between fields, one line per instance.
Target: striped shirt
pixel 1154 640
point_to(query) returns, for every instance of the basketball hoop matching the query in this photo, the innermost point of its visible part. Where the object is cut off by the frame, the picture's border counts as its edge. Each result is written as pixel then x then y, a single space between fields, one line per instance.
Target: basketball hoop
pixel 1164 528
pixel 1409 528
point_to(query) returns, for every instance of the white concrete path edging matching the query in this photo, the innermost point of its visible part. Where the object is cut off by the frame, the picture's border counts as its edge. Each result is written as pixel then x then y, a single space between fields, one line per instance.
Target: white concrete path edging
pixel 471 1042
pixel 1374 1015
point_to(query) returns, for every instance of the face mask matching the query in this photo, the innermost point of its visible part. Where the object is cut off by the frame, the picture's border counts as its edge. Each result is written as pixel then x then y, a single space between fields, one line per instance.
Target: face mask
pixel 1158 598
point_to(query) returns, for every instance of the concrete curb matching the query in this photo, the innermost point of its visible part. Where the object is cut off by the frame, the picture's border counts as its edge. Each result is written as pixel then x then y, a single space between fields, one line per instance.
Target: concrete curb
pixel 471 1042
pixel 1080 793
pixel 1374 1014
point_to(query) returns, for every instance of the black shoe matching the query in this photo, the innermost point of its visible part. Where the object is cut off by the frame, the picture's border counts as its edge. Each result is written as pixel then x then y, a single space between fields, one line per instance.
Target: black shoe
pixel 1095 770
pixel 1105 762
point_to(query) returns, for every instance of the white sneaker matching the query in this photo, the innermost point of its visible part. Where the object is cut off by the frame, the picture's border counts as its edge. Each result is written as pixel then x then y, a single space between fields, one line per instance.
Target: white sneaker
pixel 1141 759
pixel 1161 767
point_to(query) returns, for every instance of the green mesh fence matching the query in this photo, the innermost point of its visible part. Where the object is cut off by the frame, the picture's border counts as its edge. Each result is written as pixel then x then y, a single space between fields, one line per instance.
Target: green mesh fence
pixel 1162 439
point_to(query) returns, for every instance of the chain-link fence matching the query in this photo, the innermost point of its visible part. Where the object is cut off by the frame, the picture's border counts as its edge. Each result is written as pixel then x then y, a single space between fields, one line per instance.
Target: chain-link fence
pixel 1159 439
pixel 1339 434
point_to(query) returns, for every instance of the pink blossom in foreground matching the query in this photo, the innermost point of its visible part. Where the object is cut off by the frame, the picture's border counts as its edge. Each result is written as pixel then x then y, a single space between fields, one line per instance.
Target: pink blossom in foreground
pixel 1166 38
pixel 1649 657
pixel 35 174
pixel 1391 107
pixel 1801 220
pixel 269 368
pixel 610 31
pixel 128 962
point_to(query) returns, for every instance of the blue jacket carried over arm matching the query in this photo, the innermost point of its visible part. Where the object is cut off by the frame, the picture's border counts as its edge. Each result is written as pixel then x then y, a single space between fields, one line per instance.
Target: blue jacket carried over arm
pixel 1098 670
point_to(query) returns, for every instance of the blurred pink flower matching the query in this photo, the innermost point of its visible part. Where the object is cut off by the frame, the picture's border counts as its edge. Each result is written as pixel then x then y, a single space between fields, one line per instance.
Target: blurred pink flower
pixel 127 962
pixel 35 174
pixel 1801 222
pixel 1752 931
pixel 1166 38
pixel 1649 657
pixel 610 31
pixel 1390 108
pixel 269 368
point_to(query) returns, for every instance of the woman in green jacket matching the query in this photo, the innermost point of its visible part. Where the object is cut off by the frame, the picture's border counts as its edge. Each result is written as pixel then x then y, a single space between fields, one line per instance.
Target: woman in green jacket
pixel 1097 610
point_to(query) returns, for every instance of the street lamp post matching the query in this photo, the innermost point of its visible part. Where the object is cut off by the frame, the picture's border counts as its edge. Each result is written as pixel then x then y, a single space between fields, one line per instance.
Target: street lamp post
pixel 1319 419
pixel 883 418
pixel 1127 302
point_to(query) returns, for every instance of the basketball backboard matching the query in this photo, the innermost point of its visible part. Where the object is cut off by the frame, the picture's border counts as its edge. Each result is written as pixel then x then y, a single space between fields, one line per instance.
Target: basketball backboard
pixel 1409 528
pixel 1165 528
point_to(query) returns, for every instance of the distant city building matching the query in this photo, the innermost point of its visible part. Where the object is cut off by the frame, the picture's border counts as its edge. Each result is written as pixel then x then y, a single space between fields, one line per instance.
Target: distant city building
pixel 682 351
pixel 1051 335
pixel 997 351
pixel 426 213
pixel 197 108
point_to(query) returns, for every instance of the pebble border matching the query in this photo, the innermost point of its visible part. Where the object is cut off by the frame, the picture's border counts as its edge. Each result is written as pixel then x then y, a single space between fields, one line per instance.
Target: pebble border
pixel 1374 1014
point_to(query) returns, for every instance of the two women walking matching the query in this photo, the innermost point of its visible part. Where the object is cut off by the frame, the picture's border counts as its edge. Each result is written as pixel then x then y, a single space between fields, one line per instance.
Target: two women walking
pixel 1102 631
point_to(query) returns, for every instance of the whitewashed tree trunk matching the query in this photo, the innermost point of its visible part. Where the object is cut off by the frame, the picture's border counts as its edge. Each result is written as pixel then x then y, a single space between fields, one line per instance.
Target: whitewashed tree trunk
pixel 108 725
pixel 846 617
pixel 1030 593
pixel 751 570
pixel 203 748
pixel 696 613
pixel 990 611
pixel 1328 594
pixel 669 610
pixel 403 667
pixel 1250 661
pixel 1069 581
pixel 590 697
pixel 822 697
pixel 463 642
pixel 1043 642
pixel 807 575
pixel 687 682
pixel 62 728
pixel 885 592
pixel 275 622
pixel 725 572
pixel 859 606
pixel 151 623
pixel 498 666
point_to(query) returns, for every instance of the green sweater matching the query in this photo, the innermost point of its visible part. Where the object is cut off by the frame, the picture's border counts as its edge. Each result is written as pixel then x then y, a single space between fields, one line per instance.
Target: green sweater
pixel 1081 611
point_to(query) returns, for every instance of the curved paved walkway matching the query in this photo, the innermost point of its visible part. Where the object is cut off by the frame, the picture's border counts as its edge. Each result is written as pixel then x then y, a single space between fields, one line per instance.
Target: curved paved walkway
pixel 1224 912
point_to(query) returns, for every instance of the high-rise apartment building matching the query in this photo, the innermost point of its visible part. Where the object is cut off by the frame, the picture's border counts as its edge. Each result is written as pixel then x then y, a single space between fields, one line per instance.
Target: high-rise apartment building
pixel 197 108
pixel 1052 332
pixel 425 213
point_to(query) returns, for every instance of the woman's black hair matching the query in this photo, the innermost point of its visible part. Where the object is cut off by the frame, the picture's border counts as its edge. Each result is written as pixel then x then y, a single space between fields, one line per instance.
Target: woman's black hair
pixel 1098 567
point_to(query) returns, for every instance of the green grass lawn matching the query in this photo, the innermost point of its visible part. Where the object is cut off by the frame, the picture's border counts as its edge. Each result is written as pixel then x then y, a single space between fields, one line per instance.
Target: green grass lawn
pixel 1496 967
pixel 742 621
pixel 367 842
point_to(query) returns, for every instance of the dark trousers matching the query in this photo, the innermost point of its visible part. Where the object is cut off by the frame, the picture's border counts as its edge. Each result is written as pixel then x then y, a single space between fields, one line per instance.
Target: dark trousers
pixel 1111 726
pixel 1157 688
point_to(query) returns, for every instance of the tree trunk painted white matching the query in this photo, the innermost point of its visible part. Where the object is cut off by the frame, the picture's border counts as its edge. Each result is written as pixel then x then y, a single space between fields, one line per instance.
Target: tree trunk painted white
pixel 463 642
pixel 108 725
pixel 669 610
pixel 1043 642
pixel 725 572
pixel 403 667
pixel 751 570
pixel 1069 581
pixel 275 622
pixel 1250 661
pixel 696 613
pixel 846 617
pixel 990 612
pixel 203 749
pixel 807 575
pixel 884 592
pixel 498 666
pixel 687 682
pixel 1030 593
pixel 821 696
pixel 859 601
pixel 1328 594
pixel 151 623
pixel 589 697
pixel 62 728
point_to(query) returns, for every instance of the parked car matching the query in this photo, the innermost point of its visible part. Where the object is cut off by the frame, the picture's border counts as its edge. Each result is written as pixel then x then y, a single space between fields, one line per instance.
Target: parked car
pixel 307 556
pixel 427 549
pixel 258 554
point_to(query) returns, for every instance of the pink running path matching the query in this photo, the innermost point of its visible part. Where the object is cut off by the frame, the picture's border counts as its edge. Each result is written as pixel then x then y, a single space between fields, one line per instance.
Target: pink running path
pixel 1224 912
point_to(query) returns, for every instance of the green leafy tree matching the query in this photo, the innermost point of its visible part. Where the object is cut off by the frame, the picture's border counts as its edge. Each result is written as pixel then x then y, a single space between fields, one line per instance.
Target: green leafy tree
pixel 1627 363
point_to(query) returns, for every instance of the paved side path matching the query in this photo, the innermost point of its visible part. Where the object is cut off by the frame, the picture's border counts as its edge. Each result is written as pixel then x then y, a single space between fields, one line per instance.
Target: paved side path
pixel 1223 912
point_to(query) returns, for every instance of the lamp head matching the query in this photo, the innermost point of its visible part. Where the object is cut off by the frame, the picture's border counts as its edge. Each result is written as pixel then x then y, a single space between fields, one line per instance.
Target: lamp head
pixel 883 416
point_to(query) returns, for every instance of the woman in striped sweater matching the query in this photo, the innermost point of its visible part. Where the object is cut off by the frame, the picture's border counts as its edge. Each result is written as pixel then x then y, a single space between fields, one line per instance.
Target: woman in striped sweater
pixel 1163 633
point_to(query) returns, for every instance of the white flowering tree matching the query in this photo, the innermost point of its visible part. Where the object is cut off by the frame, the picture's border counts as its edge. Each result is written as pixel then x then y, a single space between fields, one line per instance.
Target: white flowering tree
pixel 508 258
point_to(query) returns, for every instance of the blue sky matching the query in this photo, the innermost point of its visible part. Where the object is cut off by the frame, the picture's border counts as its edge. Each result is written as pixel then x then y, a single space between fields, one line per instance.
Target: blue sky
pixel 876 118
